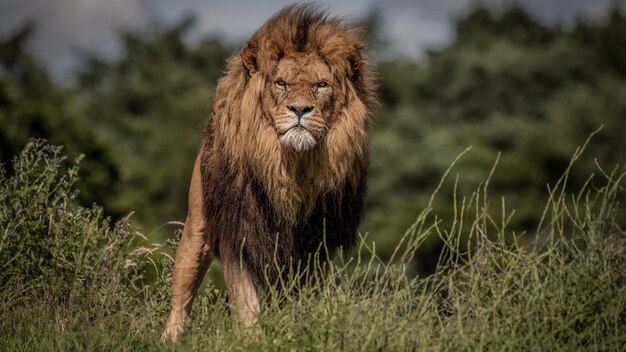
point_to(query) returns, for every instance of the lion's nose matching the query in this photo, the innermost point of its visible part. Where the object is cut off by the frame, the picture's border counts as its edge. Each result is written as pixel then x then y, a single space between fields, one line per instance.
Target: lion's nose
pixel 300 109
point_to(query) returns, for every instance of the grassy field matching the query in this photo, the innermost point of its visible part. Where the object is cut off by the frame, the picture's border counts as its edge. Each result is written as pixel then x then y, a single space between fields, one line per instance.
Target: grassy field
pixel 72 281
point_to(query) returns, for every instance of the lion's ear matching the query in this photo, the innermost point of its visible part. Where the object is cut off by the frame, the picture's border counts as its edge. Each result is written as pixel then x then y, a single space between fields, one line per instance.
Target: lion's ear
pixel 356 60
pixel 248 56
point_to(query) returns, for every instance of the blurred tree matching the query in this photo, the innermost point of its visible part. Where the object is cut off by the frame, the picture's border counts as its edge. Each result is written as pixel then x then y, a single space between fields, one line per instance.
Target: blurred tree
pixel 31 105
pixel 506 84
pixel 150 106
pixel 605 42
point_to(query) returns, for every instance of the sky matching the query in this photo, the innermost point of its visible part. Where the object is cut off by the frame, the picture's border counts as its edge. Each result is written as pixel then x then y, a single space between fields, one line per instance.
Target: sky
pixel 67 28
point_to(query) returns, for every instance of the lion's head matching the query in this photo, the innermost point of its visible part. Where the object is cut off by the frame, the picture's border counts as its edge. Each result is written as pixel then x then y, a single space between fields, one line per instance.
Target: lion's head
pixel 294 106
pixel 308 63
pixel 300 100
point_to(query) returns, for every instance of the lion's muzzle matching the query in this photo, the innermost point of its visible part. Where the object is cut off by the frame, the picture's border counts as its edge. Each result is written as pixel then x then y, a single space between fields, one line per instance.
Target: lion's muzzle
pixel 297 128
pixel 298 138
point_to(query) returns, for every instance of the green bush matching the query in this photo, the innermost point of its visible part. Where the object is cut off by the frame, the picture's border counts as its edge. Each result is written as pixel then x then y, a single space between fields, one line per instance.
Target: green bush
pixel 32 105
pixel 56 253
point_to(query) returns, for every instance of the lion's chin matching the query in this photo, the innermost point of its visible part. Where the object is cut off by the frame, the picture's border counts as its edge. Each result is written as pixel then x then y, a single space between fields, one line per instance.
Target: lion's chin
pixel 298 139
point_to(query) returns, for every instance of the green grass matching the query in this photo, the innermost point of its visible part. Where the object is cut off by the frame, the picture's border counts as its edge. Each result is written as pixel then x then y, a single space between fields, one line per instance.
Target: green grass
pixel 72 281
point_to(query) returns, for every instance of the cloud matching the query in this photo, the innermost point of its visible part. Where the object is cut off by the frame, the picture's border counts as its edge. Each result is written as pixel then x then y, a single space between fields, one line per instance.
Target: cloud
pixel 67 26
pixel 411 26
pixel 238 19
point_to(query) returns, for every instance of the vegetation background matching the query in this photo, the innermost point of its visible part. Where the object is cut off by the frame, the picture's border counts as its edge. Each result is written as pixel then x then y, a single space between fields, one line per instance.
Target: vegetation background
pixel 514 89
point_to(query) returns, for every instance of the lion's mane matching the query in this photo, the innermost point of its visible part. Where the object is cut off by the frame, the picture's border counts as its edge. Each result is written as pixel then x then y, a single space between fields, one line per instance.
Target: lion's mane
pixel 265 204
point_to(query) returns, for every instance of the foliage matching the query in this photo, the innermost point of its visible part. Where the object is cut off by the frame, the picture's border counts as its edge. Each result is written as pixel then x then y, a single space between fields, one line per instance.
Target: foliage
pixel 508 85
pixel 150 107
pixel 563 289
pixel 57 253
pixel 31 105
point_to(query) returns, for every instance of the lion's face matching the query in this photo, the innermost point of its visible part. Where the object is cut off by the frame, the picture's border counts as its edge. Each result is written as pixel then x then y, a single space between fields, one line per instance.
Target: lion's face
pixel 300 100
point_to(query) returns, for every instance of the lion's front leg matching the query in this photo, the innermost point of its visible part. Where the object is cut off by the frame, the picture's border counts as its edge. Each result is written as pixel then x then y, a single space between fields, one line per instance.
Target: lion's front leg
pixel 193 258
pixel 242 295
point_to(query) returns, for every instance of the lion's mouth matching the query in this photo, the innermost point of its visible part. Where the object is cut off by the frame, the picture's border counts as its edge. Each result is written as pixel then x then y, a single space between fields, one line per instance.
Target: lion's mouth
pixel 298 138
pixel 295 127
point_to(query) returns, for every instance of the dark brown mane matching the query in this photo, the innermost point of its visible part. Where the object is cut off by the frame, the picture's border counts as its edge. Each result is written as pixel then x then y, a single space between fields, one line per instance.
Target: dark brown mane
pixel 304 16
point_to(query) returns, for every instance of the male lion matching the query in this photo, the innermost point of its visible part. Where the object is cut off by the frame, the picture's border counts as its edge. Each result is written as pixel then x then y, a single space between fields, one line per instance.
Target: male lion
pixel 282 165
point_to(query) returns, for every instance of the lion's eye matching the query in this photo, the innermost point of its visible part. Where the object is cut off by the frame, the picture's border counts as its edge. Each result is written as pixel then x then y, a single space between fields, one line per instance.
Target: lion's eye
pixel 281 83
pixel 322 85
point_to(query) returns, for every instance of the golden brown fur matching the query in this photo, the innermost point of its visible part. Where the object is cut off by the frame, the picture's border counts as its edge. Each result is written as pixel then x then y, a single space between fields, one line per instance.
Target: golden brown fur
pixel 283 159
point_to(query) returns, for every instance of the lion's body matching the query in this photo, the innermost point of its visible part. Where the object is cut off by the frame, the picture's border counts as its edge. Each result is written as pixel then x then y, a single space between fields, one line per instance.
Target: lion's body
pixel 283 159
pixel 242 222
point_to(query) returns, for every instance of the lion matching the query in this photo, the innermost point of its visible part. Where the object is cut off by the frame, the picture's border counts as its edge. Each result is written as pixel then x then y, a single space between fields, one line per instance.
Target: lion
pixel 282 165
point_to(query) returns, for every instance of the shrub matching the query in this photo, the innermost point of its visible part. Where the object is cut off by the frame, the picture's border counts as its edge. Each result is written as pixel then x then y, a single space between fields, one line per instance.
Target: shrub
pixel 56 253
